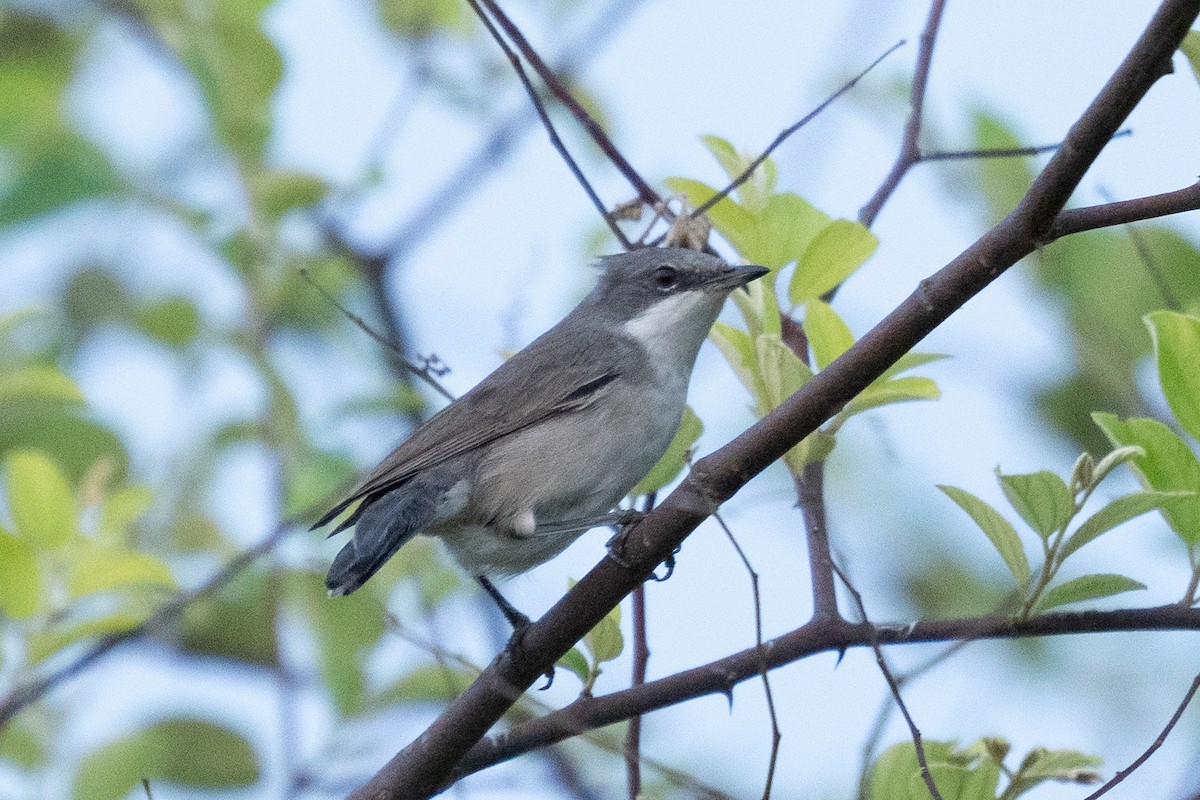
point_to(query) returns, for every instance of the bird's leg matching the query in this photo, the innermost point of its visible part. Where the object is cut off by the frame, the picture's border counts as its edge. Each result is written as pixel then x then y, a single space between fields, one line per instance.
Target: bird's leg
pixel 624 521
pixel 515 618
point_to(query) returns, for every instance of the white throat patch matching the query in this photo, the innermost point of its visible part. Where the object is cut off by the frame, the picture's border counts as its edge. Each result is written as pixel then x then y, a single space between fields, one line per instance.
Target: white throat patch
pixel 672 329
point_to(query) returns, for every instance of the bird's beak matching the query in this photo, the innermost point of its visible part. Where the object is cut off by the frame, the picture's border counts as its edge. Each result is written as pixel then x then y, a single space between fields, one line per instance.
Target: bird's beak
pixel 734 277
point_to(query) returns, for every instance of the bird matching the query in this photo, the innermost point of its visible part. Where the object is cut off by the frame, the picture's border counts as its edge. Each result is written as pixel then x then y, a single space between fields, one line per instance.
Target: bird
pixel 546 446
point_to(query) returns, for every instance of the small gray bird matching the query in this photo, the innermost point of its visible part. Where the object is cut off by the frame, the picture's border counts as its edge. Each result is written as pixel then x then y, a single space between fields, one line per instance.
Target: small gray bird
pixel 546 446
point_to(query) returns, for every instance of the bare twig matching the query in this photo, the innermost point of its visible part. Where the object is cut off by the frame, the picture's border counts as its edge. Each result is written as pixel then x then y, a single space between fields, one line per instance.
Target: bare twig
pixel 1001 152
pixel 540 107
pixel 910 149
pixel 1157 743
pixel 810 494
pixel 788 131
pixel 641 659
pixel 551 78
pixel 776 734
pixel 894 686
pixel 425 373
pixel 1123 212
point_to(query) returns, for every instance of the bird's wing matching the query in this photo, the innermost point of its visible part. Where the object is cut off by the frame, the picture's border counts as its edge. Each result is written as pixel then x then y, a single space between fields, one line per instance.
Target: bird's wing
pixel 512 398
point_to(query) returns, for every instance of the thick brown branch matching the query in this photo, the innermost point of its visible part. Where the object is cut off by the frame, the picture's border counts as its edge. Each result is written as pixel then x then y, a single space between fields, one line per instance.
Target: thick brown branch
pixel 424 766
pixel 1078 220
pixel 818 636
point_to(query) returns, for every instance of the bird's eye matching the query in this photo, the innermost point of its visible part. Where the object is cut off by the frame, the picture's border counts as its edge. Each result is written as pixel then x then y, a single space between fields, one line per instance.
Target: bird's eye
pixel 666 278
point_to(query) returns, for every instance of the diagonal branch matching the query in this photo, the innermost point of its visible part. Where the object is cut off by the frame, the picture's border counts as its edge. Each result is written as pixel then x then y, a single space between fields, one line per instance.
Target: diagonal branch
pixel 424 766
pixel 551 78
pixel 540 107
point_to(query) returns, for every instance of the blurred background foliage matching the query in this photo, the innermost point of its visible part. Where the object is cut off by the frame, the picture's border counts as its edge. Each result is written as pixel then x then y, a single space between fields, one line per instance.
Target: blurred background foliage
pixel 99 530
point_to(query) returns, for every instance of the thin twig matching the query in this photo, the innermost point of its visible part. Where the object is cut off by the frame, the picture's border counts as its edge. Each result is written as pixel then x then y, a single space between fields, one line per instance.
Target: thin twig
pixel 540 107
pixel 810 495
pixel 641 659
pixel 1157 743
pixel 879 726
pixel 590 125
pixel 1002 152
pixel 788 131
pixel 776 735
pixel 425 373
pixel 894 686
pixel 910 150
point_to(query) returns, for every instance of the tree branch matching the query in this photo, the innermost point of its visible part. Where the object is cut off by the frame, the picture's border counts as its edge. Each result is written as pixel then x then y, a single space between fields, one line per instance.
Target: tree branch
pixel 817 636
pixel 424 766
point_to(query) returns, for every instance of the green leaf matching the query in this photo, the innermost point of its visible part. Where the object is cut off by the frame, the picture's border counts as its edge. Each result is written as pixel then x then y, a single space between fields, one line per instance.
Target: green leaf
pixel 21 746
pixel 1058 765
pixel 958 774
pixel 237 623
pixel 175 321
pixel 39 499
pixel 998 529
pixel 60 431
pixel 317 474
pixel 41 382
pixel 418 19
pixel 187 751
pixel 435 683
pixel 100 571
pixel 911 361
pixel 674 460
pixel 575 661
pixel 827 334
pixel 761 184
pixel 896 390
pixel 1191 48
pixel 831 257
pixel 1041 498
pixel 1167 466
pixel 1177 347
pixel 1088 587
pixel 781 371
pixel 1115 513
pixel 276 192
pixel 20 578
pixel 605 641
pixel 738 348
pixel 118 512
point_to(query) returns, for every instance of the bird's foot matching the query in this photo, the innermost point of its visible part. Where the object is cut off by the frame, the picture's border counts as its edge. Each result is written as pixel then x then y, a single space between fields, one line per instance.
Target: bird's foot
pixel 624 523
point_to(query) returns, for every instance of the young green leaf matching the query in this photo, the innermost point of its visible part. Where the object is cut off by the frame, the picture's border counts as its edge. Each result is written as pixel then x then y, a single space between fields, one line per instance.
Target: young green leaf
pixel 1168 465
pixel 673 461
pixel 574 661
pixel 782 372
pixel 1115 513
pixel 831 257
pixel 40 500
pixel 998 529
pixel 605 641
pixel 1041 498
pixel 738 348
pixel 896 390
pixel 910 361
pixel 1087 587
pixel 1191 49
pixel 1177 349
pixel 827 334
pixel 41 382
pixel 98 571
pixel 20 578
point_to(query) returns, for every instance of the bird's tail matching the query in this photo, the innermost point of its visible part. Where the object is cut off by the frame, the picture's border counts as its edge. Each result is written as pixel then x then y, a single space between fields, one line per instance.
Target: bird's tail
pixel 382 527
